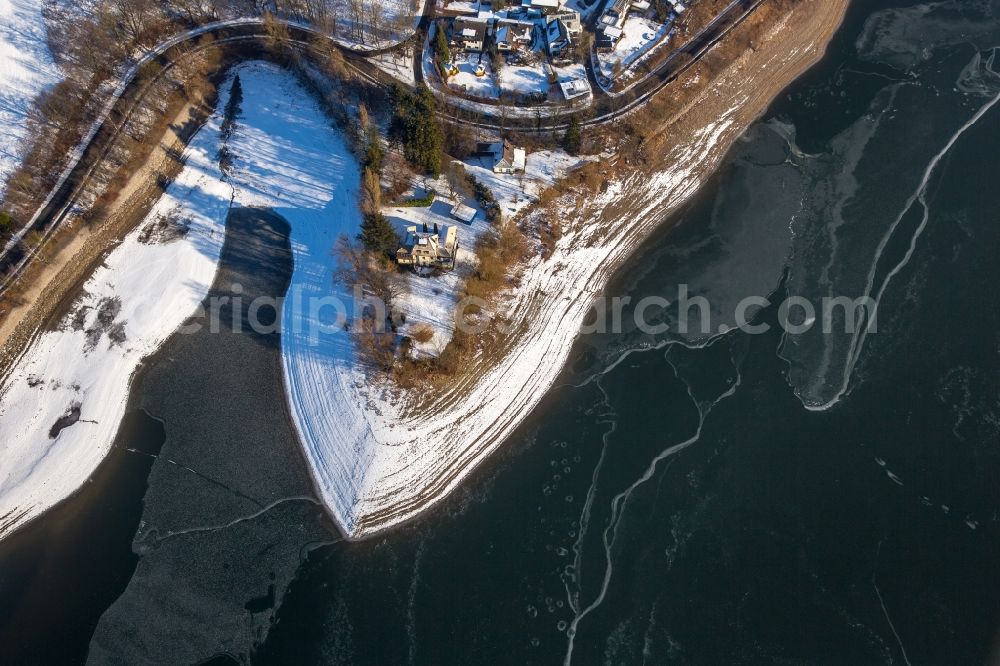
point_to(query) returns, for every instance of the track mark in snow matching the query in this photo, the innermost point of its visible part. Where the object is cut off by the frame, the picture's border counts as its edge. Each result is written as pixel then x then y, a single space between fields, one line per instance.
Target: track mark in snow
pixel 253 516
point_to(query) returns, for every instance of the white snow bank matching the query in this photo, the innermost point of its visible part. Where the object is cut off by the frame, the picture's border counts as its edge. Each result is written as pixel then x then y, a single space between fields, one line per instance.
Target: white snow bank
pixel 156 286
pixel 287 157
pixel 26 69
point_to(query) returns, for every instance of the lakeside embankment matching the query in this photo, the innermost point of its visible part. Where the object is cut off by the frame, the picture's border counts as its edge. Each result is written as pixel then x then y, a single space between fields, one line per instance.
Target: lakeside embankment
pixel 373 475
pixel 599 232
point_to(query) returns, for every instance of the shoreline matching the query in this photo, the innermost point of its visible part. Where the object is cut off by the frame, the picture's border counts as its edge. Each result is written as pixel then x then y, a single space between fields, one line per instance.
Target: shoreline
pixel 364 517
pixel 791 61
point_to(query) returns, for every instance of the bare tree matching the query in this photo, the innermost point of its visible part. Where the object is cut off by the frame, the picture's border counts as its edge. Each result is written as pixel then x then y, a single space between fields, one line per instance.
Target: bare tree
pixel 134 16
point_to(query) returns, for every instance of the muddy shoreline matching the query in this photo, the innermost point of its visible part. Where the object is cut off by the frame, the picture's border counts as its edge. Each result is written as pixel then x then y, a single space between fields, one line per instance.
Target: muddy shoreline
pixel 808 30
pixel 822 22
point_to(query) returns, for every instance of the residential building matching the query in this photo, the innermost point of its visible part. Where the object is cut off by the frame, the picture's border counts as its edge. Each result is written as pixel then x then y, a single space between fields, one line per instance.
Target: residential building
pixel 457 7
pixel 543 6
pixel 470 34
pixel 558 37
pixel 570 18
pixel 509 159
pixel 573 88
pixel 512 35
pixel 429 249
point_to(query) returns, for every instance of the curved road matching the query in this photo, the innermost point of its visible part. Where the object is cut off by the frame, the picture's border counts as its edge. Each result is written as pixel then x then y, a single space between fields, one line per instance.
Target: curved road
pixel 103 131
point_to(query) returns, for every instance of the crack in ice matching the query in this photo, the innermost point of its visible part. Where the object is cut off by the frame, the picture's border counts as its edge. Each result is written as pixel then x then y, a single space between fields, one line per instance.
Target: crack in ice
pixel 620 501
pixel 919 196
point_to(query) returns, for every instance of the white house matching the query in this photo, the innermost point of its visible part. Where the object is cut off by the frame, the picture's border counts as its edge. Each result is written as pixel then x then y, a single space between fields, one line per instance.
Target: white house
pixel 544 6
pixel 510 159
pixel 511 35
pixel 433 249
pixel 463 213
pixel 573 88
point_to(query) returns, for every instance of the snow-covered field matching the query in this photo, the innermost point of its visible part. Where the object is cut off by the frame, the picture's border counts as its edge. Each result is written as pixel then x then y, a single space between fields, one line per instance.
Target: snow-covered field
pixel 524 80
pixel 26 69
pixel 287 158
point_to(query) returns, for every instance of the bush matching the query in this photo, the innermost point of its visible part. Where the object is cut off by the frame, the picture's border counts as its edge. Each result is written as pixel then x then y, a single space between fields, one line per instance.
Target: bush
pixel 422 202
pixel 422 333
pixel 484 195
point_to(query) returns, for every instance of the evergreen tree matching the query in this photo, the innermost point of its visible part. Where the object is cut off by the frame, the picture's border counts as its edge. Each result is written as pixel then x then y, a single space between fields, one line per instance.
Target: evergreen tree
pixel 441 46
pixel 572 138
pixel 415 126
pixel 374 153
pixel 6 224
pixel 378 235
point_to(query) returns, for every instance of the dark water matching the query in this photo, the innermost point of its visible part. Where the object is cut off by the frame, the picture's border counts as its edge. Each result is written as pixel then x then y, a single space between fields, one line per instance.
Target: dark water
pixel 736 499
pixel 59 574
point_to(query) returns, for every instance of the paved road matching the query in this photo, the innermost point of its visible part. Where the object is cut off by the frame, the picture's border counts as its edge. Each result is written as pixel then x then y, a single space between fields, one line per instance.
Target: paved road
pixel 102 133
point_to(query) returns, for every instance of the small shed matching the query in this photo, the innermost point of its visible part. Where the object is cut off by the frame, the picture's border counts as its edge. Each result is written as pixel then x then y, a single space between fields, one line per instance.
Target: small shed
pixel 464 213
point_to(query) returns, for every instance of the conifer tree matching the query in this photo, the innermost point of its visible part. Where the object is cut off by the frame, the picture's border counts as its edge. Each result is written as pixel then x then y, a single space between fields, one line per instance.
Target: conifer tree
pixel 415 126
pixel 572 138
pixel 378 235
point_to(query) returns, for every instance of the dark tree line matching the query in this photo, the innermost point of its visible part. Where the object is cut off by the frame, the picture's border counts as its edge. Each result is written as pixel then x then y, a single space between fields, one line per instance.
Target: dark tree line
pixel 416 128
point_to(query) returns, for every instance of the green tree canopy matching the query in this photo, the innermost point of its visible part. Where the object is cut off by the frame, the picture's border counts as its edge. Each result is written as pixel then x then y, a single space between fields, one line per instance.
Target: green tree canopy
pixel 415 126
pixel 441 46
pixel 572 139
pixel 378 235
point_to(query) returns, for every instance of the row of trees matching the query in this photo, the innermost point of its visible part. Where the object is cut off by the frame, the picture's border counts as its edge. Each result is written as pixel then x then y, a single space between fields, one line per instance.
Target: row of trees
pixel 377 234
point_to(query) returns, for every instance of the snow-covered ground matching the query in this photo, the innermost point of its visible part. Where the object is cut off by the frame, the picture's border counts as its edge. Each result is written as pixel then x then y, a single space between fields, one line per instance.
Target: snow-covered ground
pixel 576 72
pixel 431 301
pixel 397 64
pixel 524 80
pixel 286 157
pixel 131 304
pixel 26 69
pixel 375 458
pixel 639 36
pixel 517 191
pixel 368 25
pixel 484 86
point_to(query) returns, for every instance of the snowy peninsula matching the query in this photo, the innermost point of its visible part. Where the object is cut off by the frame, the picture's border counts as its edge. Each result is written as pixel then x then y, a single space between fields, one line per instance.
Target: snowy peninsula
pixel 378 455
